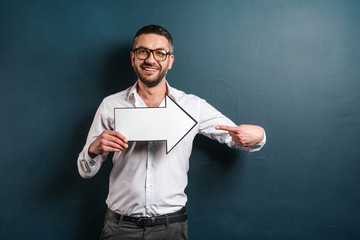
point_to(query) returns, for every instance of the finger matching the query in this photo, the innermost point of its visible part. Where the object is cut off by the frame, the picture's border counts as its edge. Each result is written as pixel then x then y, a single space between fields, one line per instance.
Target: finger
pixel 110 149
pixel 237 141
pixel 224 127
pixel 117 140
pixel 110 146
pixel 118 135
pixel 234 137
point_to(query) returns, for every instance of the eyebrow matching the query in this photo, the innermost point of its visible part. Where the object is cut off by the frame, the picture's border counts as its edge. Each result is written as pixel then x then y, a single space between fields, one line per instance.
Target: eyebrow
pixel 153 49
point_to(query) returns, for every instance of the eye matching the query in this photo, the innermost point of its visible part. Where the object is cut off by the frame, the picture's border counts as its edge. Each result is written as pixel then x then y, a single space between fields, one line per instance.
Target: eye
pixel 142 51
pixel 160 52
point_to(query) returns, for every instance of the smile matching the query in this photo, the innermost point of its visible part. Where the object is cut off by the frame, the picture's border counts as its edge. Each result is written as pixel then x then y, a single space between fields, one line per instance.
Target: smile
pixel 150 69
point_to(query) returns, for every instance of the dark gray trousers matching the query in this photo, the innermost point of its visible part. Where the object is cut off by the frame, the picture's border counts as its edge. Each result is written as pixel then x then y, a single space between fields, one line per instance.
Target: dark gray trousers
pixel 120 230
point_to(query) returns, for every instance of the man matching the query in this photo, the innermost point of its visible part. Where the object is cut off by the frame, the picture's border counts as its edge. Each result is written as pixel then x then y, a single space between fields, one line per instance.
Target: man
pixel 146 197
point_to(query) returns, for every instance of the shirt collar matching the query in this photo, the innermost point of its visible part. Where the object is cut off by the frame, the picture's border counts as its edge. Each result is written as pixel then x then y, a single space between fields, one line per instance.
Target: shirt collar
pixel 133 91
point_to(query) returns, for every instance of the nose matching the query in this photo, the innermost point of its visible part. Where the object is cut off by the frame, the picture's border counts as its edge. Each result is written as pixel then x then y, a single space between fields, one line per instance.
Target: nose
pixel 150 58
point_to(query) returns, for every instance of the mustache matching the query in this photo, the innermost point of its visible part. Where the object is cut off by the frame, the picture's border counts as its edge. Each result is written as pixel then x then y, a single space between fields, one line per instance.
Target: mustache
pixel 146 65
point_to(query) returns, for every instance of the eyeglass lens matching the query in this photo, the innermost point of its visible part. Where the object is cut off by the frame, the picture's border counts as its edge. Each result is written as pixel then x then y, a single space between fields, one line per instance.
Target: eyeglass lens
pixel 159 54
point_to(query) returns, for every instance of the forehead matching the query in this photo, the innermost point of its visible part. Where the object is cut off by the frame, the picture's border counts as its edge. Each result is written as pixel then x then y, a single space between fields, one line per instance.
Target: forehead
pixel 152 41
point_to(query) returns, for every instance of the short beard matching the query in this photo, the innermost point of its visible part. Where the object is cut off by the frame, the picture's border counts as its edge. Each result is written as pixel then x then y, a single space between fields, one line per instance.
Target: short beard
pixel 151 83
pixel 147 82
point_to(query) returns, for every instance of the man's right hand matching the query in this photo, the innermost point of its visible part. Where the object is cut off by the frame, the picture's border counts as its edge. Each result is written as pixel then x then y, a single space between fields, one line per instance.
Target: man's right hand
pixel 108 141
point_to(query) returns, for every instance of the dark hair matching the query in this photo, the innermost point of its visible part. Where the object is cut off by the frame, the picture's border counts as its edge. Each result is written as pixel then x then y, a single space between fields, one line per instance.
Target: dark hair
pixel 155 29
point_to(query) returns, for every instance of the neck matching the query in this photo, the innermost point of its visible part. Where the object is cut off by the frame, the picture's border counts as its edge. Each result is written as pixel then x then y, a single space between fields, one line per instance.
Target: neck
pixel 152 96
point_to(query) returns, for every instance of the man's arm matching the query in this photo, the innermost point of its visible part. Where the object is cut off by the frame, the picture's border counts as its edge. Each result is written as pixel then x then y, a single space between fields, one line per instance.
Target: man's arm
pixel 95 153
pixel 215 125
pixel 244 135
pixel 101 140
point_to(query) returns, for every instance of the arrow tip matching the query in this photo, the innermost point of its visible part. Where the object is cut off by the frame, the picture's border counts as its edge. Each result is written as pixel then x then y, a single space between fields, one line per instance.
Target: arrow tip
pixel 181 123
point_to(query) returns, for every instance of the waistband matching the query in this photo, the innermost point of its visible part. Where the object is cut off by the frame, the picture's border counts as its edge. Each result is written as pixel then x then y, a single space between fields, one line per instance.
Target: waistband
pixel 179 216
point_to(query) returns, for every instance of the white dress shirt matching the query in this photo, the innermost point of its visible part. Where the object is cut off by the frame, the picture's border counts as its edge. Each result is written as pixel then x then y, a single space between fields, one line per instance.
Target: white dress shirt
pixel 144 180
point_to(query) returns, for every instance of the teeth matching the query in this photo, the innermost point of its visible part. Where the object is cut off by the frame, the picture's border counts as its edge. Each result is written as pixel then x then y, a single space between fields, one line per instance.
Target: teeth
pixel 150 69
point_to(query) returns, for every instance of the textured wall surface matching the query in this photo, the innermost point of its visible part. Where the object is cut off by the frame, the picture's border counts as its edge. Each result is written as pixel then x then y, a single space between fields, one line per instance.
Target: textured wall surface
pixel 289 66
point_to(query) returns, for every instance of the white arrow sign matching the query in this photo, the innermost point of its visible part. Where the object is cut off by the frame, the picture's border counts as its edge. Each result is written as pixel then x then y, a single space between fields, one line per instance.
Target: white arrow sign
pixel 170 123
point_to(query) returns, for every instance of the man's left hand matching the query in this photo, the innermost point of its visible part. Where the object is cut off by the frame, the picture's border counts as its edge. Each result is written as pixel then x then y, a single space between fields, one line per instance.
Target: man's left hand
pixel 244 135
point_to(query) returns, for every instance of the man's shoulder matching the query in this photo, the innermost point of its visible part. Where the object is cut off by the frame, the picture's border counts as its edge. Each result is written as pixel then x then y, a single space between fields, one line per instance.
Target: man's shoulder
pixel 119 97
pixel 121 94
pixel 179 94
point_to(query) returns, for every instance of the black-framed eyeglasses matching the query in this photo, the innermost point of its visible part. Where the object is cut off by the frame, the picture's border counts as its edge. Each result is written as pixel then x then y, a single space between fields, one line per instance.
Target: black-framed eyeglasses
pixel 158 54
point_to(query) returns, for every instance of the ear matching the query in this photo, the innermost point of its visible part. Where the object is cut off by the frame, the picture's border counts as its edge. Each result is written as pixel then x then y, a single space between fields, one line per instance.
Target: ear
pixel 171 61
pixel 132 57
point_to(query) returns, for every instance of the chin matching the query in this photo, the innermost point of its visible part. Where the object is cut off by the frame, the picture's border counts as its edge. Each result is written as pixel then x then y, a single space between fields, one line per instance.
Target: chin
pixel 150 83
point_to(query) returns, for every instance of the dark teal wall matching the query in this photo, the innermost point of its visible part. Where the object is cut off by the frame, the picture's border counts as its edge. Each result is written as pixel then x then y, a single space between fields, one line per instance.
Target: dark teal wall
pixel 292 67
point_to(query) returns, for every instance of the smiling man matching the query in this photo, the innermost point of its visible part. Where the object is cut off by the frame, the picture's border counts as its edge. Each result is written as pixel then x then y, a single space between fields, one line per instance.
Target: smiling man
pixel 151 70
pixel 147 197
